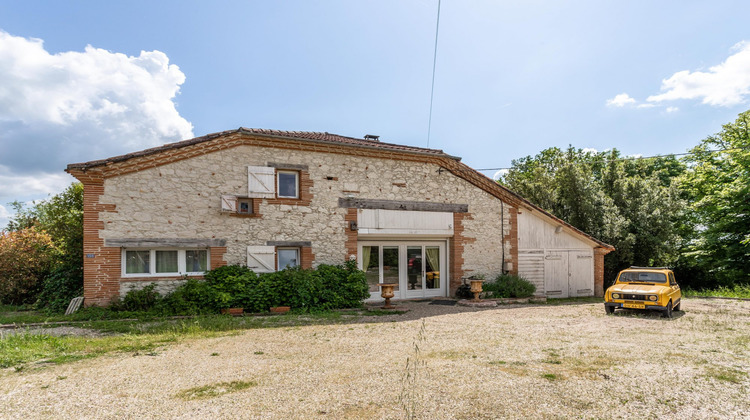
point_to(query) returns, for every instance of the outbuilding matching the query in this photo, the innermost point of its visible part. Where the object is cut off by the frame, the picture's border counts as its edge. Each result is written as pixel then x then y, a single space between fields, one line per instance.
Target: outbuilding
pixel 269 199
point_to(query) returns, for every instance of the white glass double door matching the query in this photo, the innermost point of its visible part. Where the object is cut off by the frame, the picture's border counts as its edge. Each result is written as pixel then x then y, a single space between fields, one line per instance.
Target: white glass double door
pixel 418 269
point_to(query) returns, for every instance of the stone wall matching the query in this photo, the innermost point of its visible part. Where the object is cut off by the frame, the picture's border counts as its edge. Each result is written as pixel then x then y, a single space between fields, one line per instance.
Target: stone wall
pixel 182 200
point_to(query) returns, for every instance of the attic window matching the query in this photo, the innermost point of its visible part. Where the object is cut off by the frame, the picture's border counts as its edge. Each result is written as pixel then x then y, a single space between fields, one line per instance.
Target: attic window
pixel 245 206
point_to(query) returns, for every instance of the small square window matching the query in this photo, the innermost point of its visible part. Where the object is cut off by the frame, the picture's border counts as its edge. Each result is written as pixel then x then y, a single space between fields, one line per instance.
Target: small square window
pixel 288 184
pixel 288 257
pixel 245 206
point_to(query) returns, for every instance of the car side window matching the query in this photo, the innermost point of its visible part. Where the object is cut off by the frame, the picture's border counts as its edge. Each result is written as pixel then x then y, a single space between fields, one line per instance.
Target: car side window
pixel 672 281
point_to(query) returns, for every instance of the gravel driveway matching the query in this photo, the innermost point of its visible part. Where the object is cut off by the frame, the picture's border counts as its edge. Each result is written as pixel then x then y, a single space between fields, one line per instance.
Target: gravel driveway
pixel 509 362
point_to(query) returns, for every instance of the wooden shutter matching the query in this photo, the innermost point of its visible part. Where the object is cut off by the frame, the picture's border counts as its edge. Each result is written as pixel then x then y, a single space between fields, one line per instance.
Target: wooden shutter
pixel 229 203
pixel 261 182
pixel 261 259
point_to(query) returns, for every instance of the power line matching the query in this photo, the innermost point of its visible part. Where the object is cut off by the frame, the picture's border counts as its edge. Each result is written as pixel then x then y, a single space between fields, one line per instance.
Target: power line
pixel 639 157
pixel 434 62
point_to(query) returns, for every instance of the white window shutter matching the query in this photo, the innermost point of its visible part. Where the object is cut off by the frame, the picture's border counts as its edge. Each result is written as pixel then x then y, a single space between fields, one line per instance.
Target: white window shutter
pixel 261 259
pixel 229 203
pixel 261 182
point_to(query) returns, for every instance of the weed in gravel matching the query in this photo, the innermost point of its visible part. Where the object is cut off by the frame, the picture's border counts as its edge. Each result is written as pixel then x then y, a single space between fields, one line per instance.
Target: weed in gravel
pixel 550 376
pixel 60 378
pixel 411 385
pixel 552 361
pixel 214 390
pixel 214 354
pixel 258 352
pixel 497 362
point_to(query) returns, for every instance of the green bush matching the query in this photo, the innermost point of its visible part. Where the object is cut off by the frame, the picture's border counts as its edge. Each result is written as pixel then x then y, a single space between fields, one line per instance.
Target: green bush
pixel 509 286
pixel 327 287
pixel 144 299
pixel 59 288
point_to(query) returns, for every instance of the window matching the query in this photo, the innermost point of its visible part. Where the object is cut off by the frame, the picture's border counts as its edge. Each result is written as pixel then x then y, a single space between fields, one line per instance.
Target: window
pixel 245 206
pixel 288 184
pixel 159 262
pixel 288 257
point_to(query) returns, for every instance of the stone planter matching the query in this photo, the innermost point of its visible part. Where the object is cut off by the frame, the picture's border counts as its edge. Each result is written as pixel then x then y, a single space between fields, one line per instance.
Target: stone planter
pixel 476 288
pixel 233 311
pixel 386 292
pixel 280 309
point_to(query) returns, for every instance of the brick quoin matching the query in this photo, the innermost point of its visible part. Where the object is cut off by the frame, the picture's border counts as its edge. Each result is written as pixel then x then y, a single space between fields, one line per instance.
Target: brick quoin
pixel 512 237
pixel 457 244
pixel 599 254
pixel 351 235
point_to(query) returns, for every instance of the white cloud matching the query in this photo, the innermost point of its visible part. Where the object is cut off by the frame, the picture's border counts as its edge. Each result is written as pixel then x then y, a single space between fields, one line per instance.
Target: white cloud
pixel 4 217
pixel 590 150
pixel 645 106
pixel 671 109
pixel 499 174
pixel 76 106
pixel 725 84
pixel 620 100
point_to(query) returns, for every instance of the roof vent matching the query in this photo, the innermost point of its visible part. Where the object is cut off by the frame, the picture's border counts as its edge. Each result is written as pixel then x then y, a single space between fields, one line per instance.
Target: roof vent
pixel 371 137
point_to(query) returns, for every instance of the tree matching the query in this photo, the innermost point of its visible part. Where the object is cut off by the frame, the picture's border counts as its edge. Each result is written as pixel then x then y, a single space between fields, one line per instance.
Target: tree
pixel 26 257
pixel 631 204
pixel 718 188
pixel 61 218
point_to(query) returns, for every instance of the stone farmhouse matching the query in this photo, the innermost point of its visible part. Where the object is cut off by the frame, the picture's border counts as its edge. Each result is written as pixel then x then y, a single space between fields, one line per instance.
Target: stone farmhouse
pixel 270 199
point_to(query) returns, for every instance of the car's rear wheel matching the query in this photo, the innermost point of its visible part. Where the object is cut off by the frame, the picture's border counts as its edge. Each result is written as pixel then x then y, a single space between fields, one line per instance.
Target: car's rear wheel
pixel 668 312
pixel 677 307
pixel 609 310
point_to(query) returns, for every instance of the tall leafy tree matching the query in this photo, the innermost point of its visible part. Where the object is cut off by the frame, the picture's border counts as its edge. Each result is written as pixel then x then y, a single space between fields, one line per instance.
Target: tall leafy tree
pixel 718 187
pixel 631 204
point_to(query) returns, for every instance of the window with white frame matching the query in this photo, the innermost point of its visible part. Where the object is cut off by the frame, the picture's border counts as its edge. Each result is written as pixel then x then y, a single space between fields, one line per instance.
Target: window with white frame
pixel 160 262
pixel 287 257
pixel 287 184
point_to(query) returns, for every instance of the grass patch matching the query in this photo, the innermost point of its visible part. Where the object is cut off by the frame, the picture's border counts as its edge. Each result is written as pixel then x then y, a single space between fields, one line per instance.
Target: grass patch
pixel 550 376
pixel 143 335
pixel 734 376
pixel 214 390
pixel 731 292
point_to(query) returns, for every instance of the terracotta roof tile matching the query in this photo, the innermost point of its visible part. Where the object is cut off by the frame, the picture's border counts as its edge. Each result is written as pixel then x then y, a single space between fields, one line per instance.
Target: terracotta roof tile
pixel 323 137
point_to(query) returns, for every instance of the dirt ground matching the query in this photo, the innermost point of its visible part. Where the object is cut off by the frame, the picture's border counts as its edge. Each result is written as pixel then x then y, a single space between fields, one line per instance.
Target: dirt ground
pixel 434 362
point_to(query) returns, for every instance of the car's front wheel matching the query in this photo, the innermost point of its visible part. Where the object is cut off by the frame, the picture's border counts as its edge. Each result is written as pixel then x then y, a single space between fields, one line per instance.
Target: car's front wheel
pixel 609 310
pixel 677 307
pixel 668 312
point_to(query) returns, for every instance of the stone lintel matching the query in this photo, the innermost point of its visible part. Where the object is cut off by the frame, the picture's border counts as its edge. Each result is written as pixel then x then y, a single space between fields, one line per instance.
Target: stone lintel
pixel 365 203
pixel 289 243
pixel 288 166
pixel 164 243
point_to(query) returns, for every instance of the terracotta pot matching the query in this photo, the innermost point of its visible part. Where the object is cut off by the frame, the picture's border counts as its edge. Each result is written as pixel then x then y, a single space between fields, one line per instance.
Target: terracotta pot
pixel 233 311
pixel 476 288
pixel 280 309
pixel 386 292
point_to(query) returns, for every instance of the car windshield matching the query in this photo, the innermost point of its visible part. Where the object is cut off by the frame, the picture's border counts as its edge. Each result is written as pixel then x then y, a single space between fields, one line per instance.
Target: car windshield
pixel 642 277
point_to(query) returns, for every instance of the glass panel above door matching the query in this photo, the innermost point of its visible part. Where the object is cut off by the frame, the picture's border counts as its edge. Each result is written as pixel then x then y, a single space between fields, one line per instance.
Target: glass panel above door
pixel 390 265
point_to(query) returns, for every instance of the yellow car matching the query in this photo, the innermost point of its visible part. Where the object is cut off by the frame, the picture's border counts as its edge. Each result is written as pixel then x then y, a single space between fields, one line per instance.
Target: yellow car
pixel 649 288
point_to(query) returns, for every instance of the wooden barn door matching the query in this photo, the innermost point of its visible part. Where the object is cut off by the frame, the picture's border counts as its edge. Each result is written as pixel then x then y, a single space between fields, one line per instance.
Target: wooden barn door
pixel 556 274
pixel 581 273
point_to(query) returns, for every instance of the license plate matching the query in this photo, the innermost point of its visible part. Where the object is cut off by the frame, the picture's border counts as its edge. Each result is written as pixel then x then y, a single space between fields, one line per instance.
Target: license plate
pixel 634 305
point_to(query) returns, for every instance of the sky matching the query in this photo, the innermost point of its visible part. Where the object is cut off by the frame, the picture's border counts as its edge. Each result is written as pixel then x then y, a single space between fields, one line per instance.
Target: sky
pixel 85 80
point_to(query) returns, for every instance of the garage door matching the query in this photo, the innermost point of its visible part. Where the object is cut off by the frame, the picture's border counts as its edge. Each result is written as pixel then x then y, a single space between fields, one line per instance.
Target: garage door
pixel 568 273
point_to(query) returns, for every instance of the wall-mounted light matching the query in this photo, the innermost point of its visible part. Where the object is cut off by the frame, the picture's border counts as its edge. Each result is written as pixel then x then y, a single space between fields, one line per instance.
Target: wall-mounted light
pixel 558 229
